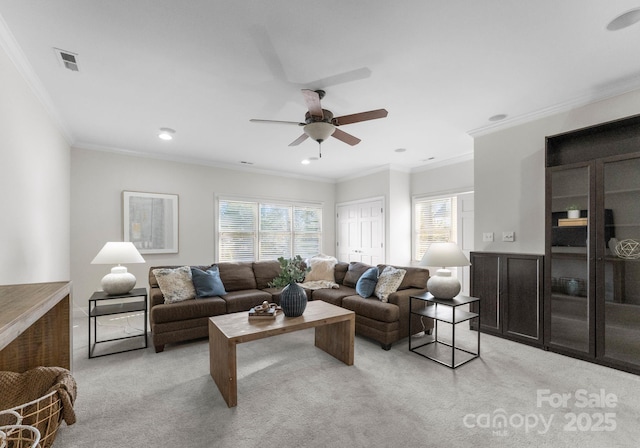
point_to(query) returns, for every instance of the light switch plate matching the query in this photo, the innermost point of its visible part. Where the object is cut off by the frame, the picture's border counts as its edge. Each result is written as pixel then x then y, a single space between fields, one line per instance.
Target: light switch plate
pixel 508 237
pixel 487 237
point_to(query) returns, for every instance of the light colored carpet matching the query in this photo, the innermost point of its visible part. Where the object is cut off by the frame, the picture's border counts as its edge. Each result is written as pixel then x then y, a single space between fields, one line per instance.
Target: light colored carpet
pixel 291 394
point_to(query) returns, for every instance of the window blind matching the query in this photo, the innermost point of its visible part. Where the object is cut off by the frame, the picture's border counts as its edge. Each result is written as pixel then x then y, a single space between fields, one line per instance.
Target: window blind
pixel 434 221
pixel 257 230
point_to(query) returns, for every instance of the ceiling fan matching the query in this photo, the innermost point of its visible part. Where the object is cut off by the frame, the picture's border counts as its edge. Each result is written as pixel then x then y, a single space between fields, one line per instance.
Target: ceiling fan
pixel 320 124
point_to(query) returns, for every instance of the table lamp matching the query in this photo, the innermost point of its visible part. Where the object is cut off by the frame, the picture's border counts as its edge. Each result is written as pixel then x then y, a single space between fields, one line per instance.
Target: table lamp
pixel 119 281
pixel 442 285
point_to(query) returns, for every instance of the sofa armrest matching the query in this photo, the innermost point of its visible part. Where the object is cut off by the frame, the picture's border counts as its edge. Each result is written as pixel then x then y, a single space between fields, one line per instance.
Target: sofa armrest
pixel 401 299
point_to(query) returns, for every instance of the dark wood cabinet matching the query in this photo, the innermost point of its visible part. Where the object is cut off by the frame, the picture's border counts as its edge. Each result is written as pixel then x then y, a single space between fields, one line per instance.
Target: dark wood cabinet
pixel 510 288
pixel 592 269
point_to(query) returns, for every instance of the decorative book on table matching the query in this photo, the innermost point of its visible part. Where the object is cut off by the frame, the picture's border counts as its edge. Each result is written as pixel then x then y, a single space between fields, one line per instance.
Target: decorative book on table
pixel 270 313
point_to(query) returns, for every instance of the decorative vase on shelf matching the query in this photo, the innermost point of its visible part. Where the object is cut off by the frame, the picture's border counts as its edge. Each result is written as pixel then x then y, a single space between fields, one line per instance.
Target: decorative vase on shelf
pixel 573 214
pixel 293 300
pixel 573 287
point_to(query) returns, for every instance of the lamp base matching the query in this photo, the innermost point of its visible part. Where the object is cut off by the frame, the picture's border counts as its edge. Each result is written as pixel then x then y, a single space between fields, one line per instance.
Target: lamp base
pixel 119 281
pixel 443 285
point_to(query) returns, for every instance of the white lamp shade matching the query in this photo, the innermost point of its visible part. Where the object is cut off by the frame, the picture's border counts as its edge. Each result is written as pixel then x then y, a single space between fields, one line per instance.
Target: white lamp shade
pixel 443 285
pixel 445 255
pixel 118 253
pixel 319 130
pixel 118 281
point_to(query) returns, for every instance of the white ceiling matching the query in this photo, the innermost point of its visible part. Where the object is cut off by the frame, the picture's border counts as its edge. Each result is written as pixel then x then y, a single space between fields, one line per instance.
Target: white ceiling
pixel 204 68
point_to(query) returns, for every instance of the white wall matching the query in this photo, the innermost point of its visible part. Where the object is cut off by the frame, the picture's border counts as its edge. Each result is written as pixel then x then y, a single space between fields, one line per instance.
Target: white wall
pixel 98 179
pixel 397 188
pixel 399 218
pixel 509 173
pixel 453 178
pixel 34 180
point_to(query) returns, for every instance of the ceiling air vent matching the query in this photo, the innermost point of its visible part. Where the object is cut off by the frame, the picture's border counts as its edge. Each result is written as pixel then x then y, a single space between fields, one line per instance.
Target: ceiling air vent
pixel 67 59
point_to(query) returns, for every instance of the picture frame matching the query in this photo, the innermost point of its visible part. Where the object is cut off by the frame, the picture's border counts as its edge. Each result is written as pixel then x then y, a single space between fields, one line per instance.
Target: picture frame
pixel 150 221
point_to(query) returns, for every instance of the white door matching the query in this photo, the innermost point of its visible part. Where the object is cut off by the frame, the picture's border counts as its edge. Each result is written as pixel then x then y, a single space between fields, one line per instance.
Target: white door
pixel 361 232
pixel 465 235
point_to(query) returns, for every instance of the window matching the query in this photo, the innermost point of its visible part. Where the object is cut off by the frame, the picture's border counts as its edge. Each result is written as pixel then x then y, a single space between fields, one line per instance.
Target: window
pixel 435 220
pixel 256 230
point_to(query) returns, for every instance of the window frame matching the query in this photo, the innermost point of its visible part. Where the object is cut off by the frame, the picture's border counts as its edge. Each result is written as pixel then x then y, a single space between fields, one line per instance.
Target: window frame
pixel 257 202
pixel 415 200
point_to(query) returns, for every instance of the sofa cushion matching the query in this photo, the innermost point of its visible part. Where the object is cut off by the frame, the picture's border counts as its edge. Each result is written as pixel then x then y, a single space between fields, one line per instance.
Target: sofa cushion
pixel 265 271
pixel 176 284
pixel 207 283
pixel 332 295
pixel 322 268
pixel 340 270
pixel 356 269
pixel 414 278
pixel 388 282
pixel 372 308
pixel 186 310
pixel 237 276
pixel 366 284
pixel 245 299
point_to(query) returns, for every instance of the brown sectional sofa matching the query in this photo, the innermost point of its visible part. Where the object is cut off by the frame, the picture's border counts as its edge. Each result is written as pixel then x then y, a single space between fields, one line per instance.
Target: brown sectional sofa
pixel 246 284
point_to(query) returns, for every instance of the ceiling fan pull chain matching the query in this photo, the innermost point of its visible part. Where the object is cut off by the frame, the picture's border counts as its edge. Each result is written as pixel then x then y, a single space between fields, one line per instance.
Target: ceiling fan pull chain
pixel 320 150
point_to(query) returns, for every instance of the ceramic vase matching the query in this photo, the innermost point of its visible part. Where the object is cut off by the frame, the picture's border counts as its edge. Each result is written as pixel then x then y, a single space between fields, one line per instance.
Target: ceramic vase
pixel 573 287
pixel 293 300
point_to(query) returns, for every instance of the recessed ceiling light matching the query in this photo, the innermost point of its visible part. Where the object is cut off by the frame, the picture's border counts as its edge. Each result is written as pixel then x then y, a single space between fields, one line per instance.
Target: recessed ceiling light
pixel 306 162
pixel 624 20
pixel 498 117
pixel 166 133
pixel 400 150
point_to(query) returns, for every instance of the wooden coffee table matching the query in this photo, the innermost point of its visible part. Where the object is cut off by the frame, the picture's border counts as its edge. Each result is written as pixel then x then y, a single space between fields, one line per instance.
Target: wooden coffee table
pixel 335 329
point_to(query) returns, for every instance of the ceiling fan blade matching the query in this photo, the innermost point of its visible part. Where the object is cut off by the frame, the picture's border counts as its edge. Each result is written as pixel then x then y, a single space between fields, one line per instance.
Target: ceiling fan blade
pixel 347 138
pixel 299 140
pixel 362 116
pixel 312 99
pixel 256 120
pixel 341 78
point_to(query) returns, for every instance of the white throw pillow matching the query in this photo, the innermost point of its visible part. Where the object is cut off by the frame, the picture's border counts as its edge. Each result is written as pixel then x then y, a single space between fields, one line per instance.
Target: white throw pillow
pixel 322 268
pixel 176 284
pixel 388 282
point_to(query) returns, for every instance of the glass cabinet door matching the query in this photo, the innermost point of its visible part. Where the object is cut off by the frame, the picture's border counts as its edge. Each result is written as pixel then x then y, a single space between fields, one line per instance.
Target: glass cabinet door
pixel 619 318
pixel 570 309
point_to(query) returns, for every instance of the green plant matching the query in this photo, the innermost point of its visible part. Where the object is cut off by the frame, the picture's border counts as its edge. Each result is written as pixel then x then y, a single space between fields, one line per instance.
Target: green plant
pixel 573 207
pixel 292 270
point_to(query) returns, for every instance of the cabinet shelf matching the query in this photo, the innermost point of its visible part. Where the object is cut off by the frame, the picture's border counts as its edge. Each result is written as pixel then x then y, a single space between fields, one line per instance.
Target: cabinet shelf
pixel 583 322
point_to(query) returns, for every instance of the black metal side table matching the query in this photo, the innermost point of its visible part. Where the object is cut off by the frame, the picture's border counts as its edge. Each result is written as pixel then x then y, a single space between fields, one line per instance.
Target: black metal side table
pixel 444 310
pixel 103 304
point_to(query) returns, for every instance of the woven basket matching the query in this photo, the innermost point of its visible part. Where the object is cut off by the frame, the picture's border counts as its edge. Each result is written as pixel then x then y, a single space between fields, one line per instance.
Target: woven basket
pixel 19 436
pixel 43 413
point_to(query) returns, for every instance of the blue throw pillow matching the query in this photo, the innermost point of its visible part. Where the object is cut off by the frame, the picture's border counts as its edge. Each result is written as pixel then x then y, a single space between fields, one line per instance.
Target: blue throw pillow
pixel 207 283
pixel 366 284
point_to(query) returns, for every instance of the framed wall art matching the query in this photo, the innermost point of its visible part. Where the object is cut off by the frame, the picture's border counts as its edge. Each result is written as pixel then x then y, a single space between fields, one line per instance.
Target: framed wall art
pixel 150 221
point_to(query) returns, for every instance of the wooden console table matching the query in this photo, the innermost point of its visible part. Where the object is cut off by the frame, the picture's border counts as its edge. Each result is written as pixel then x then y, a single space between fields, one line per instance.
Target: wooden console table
pixel 35 326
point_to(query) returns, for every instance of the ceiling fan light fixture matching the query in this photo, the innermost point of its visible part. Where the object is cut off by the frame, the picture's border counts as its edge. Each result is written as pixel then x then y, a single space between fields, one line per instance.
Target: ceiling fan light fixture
pixel 319 130
pixel 166 133
pixel 625 20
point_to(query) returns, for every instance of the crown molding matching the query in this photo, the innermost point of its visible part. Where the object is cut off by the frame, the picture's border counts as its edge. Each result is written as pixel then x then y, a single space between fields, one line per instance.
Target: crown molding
pixel 589 97
pixel 15 53
pixel 198 162
pixel 439 164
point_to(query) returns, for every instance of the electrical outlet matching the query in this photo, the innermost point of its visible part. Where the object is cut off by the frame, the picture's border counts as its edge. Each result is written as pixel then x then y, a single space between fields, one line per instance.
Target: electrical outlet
pixel 487 237
pixel 508 237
